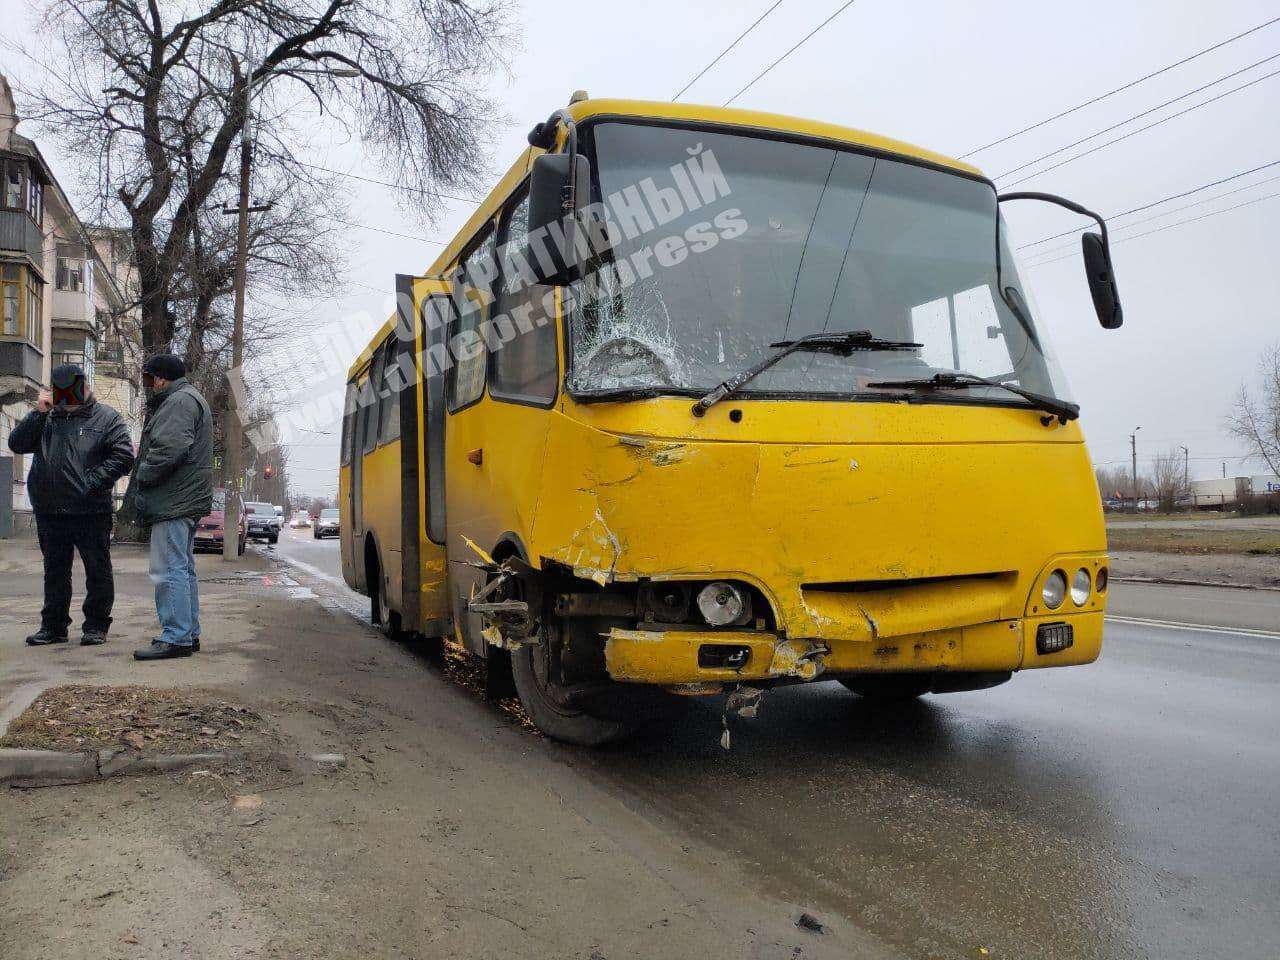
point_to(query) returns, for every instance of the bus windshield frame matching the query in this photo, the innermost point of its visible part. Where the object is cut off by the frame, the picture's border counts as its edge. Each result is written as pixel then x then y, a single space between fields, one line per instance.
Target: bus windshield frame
pixel 810 236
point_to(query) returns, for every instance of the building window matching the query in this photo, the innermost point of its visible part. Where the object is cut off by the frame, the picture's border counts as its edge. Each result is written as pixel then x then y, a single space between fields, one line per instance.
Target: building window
pixel 35 314
pixel 21 305
pixel 15 176
pixel 10 301
pixel 70 273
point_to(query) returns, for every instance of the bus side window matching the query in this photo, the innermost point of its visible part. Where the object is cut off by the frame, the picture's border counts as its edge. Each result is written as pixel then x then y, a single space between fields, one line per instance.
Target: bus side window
pixel 348 423
pixel 393 382
pixel 369 415
pixel 473 293
pixel 524 368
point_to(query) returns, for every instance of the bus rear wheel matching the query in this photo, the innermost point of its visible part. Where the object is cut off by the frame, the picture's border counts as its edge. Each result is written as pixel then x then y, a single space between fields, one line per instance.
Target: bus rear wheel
pixel 550 707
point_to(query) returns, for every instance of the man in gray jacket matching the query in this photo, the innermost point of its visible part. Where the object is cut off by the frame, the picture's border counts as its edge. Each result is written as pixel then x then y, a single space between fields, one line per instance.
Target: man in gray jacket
pixel 172 490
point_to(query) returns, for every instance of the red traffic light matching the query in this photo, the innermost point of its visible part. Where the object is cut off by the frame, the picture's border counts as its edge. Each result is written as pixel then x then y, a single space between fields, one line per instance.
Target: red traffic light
pixel 268 472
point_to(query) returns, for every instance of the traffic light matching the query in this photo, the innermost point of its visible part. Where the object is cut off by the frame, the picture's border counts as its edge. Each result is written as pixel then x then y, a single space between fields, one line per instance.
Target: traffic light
pixel 268 472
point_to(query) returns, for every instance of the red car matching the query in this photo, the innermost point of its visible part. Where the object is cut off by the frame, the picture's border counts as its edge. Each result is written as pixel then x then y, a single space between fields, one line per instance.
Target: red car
pixel 209 532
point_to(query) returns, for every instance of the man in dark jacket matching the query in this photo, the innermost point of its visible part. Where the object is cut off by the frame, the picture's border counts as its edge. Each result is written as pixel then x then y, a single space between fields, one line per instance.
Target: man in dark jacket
pixel 81 448
pixel 172 489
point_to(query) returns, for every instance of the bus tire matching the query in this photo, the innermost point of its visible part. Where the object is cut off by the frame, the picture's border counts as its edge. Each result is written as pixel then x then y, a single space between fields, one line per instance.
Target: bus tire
pixel 549 713
pixel 889 687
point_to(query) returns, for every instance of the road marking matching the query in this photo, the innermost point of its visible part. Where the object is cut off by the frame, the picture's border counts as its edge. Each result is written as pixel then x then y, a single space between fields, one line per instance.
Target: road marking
pixel 1195 627
pixel 313 571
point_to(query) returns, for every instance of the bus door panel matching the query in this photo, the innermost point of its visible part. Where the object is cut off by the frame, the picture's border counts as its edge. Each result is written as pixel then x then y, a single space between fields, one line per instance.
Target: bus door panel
pixel 422 438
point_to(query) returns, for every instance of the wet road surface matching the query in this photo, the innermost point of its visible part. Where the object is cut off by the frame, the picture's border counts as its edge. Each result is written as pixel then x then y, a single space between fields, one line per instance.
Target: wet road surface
pixel 1130 808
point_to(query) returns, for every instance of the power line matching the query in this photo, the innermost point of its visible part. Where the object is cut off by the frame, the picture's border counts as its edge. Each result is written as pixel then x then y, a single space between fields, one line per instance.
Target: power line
pixel 1132 83
pixel 722 53
pixel 1137 116
pixel 392 233
pixel 806 39
pixel 1168 226
pixel 1149 126
pixel 388 183
pixel 1156 203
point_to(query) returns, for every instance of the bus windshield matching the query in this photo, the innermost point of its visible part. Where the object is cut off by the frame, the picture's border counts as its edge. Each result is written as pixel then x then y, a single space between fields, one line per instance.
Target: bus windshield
pixel 801 239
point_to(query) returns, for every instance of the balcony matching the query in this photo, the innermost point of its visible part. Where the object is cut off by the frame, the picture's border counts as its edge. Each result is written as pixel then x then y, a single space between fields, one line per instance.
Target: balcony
pixel 20 234
pixel 20 364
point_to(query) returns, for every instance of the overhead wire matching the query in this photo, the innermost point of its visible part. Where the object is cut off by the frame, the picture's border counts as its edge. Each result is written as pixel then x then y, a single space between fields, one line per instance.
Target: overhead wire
pixel 720 56
pixel 1143 129
pixel 807 37
pixel 1120 89
pixel 1136 116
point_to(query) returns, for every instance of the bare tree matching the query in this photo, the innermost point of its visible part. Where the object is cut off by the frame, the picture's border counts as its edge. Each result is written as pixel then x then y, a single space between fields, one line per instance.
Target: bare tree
pixel 153 95
pixel 1168 479
pixel 1255 419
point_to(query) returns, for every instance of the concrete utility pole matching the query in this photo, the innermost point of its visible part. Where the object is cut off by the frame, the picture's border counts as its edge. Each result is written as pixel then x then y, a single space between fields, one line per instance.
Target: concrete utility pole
pixel 235 424
pixel 1186 468
pixel 235 428
pixel 1133 445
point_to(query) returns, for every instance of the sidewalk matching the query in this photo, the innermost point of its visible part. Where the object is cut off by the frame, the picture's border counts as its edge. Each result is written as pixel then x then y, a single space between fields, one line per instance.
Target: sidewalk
pixel 446 830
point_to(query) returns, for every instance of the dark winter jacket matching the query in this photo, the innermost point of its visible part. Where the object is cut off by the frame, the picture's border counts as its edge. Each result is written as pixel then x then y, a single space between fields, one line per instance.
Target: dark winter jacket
pixel 79 454
pixel 175 463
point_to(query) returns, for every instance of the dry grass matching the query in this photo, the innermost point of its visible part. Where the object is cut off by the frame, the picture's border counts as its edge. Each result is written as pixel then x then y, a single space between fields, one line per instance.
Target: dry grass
pixel 1195 539
pixel 81 717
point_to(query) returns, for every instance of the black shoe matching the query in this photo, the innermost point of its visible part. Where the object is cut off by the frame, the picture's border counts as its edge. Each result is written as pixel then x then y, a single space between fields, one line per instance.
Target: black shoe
pixel 195 644
pixel 160 650
pixel 43 637
pixel 93 638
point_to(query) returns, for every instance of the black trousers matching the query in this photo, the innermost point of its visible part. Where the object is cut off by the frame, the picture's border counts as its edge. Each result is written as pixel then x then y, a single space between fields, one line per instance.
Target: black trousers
pixel 90 536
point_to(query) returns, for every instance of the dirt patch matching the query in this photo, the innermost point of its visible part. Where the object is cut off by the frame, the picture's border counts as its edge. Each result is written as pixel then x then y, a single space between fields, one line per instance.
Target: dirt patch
pixel 1227 568
pixel 82 717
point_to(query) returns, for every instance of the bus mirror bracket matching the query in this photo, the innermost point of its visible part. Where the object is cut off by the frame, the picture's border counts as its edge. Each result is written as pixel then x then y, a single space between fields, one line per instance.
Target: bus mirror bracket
pixel 1096 248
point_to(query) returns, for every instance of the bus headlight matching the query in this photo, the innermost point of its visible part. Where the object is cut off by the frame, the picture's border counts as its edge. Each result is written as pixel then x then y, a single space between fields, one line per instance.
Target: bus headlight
pixel 1055 590
pixel 722 604
pixel 1081 586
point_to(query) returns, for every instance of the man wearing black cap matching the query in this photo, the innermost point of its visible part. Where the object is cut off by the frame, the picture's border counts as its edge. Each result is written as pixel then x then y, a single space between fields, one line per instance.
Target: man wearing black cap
pixel 171 491
pixel 81 448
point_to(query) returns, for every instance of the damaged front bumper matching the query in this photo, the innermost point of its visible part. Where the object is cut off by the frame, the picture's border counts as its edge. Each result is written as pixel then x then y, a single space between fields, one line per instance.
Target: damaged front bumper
pixel 677 658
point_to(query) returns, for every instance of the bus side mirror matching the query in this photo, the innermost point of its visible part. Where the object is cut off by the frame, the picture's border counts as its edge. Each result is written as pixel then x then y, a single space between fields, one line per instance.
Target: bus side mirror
pixel 553 202
pixel 1102 281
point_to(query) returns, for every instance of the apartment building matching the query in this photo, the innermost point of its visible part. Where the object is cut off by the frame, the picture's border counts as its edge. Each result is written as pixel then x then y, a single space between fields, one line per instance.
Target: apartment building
pixel 66 296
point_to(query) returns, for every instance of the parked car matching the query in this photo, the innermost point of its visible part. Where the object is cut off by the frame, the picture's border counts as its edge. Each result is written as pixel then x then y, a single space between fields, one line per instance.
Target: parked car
pixel 301 519
pixel 263 522
pixel 326 524
pixel 279 513
pixel 209 529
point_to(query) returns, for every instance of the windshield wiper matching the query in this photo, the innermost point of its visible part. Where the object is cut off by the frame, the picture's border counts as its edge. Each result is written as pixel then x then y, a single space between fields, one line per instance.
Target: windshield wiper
pixel 1061 409
pixel 842 344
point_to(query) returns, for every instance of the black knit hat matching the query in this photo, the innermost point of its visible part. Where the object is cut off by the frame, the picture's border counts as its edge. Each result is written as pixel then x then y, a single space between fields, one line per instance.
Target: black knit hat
pixel 65 375
pixel 165 366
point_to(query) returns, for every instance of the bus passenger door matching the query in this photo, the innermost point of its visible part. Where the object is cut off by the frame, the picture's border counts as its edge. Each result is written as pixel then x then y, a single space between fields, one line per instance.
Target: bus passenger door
pixel 423 307
pixel 353 545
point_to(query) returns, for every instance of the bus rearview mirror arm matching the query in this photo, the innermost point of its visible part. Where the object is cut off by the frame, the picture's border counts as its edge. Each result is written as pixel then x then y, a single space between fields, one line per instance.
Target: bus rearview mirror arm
pixel 1096 248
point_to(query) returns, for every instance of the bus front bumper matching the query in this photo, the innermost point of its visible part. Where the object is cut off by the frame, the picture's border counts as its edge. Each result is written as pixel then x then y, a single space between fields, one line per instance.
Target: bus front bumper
pixel 682 657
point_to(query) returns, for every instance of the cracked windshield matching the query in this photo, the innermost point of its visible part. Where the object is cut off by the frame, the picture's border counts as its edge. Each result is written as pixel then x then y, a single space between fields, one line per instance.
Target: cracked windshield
pixel 805 239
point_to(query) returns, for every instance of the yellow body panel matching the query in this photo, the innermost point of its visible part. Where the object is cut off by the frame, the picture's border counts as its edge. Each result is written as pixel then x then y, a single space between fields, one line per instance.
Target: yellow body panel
pixel 884 536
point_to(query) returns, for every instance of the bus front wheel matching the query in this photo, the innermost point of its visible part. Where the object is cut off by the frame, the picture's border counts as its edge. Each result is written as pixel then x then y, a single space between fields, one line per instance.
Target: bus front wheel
pixel 549 704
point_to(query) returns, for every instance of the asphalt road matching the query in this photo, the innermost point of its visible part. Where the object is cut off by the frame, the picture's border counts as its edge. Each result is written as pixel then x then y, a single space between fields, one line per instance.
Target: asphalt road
pixel 1125 809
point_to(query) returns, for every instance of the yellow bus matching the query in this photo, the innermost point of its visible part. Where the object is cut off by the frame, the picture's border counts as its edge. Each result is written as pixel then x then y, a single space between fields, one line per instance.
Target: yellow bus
pixel 704 400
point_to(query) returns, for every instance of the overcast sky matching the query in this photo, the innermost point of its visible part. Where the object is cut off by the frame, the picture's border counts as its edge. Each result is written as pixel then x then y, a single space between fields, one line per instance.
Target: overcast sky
pixel 1200 299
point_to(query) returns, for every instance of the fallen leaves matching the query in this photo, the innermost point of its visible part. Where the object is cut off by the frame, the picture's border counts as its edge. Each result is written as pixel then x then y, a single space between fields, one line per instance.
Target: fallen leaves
pixel 84 717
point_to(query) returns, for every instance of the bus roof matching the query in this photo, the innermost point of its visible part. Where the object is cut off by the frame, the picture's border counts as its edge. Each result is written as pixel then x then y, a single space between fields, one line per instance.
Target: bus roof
pixel 658 110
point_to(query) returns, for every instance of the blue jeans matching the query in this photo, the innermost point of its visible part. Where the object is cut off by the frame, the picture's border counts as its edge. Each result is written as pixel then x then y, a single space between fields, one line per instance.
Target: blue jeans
pixel 173 571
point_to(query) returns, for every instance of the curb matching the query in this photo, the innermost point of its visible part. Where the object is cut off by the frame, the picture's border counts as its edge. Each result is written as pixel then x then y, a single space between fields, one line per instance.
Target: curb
pixel 1176 582
pixel 90 765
